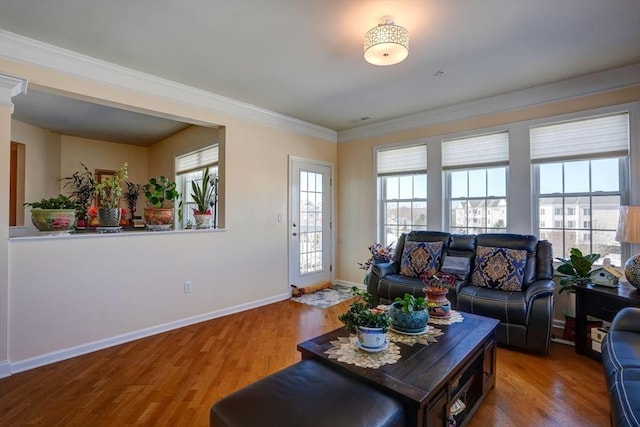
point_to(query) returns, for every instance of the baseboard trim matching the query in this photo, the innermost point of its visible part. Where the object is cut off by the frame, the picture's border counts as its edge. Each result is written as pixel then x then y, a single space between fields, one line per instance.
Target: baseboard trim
pixel 5 369
pixel 8 368
pixel 350 284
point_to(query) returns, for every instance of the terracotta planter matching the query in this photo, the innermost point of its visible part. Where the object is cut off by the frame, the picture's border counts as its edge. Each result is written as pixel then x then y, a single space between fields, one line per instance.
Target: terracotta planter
pixel 159 218
pixel 437 302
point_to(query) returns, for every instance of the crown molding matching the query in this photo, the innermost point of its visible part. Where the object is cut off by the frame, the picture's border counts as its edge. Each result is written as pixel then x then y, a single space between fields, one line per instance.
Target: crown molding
pixel 564 89
pixel 23 49
pixel 11 86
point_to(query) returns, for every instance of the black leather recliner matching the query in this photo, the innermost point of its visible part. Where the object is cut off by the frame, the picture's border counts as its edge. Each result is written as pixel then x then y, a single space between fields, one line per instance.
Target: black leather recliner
pixel 621 362
pixel 525 316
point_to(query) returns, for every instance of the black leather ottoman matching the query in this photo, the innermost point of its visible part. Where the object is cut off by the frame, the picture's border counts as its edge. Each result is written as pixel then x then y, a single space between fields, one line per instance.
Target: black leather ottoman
pixel 307 394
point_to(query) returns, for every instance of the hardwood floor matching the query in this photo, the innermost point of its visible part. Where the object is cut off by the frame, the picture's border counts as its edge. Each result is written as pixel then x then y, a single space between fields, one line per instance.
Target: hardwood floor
pixel 172 379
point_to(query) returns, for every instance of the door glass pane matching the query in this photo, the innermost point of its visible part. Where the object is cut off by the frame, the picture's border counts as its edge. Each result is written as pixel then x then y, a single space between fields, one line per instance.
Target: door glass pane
pixel 310 231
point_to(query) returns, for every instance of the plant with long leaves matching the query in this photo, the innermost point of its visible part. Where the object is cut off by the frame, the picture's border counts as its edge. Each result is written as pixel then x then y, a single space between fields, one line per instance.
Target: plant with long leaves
pixel 203 194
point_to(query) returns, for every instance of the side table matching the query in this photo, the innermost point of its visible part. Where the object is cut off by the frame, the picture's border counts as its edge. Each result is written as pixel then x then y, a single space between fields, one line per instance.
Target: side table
pixel 601 302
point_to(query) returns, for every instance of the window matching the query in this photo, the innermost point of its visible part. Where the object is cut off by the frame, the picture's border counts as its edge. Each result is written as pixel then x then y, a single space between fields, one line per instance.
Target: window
pixel 402 189
pixel 581 167
pixel 477 196
pixel 189 168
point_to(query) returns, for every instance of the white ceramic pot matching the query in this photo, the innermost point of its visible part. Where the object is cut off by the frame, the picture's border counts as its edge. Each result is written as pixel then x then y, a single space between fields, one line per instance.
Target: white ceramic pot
pixel 371 337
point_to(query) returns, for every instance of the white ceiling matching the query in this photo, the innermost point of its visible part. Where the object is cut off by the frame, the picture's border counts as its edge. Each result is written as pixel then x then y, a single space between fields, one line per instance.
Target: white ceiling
pixel 303 58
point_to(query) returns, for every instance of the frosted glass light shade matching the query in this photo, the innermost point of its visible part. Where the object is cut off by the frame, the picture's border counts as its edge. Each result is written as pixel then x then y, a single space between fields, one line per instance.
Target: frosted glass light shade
pixel 386 44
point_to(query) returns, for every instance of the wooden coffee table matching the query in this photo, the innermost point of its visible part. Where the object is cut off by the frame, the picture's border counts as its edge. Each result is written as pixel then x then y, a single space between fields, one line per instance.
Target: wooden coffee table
pixel 429 379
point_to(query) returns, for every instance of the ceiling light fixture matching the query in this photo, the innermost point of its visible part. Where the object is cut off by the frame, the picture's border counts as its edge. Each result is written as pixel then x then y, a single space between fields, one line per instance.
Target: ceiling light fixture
pixel 386 44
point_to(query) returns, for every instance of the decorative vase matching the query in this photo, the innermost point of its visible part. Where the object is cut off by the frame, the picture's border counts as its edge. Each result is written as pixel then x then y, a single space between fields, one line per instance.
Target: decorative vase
pixel 159 218
pixel 109 217
pixel 371 338
pixel 412 322
pixel 94 221
pixel 53 219
pixel 203 221
pixel 437 302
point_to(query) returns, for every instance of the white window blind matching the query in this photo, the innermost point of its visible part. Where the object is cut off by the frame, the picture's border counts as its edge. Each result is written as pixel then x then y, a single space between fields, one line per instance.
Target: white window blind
pixel 604 136
pixel 197 160
pixel 402 160
pixel 485 150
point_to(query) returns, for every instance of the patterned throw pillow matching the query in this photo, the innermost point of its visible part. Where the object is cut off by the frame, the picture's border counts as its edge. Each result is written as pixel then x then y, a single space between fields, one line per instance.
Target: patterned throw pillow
pixel 420 256
pixel 499 268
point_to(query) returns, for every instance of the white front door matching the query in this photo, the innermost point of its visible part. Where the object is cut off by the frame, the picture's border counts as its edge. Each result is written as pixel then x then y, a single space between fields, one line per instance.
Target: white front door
pixel 310 235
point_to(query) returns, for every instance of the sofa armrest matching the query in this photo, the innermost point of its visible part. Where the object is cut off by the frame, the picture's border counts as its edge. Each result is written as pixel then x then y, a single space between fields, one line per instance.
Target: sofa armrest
pixel 627 319
pixel 385 269
pixel 538 289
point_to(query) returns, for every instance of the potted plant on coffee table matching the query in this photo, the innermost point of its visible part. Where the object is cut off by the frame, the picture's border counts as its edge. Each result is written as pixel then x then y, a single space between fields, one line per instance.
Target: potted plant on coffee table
pixel 110 191
pixel 161 195
pixel 409 314
pixel 202 195
pixel 53 214
pixel 436 288
pixel 369 324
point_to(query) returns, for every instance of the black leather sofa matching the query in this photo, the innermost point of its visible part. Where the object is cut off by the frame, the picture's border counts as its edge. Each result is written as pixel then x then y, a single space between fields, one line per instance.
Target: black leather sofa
pixel 621 362
pixel 525 316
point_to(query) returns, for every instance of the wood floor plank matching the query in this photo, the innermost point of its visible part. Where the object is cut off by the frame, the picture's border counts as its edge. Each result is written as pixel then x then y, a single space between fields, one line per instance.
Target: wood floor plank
pixel 172 379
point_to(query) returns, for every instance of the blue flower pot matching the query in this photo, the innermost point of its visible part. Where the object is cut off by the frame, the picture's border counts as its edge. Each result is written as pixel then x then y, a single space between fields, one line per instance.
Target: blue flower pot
pixel 413 322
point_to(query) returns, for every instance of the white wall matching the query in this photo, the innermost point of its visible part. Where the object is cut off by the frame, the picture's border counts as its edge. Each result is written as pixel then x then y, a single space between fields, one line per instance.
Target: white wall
pixel 69 296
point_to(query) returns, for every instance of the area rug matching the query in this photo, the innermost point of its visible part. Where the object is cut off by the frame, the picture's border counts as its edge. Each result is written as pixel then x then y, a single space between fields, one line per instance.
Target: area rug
pixel 325 298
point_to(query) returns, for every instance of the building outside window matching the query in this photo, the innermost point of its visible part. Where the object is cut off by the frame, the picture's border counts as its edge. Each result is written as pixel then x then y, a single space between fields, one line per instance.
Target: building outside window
pixel 476 181
pixel 581 168
pixel 402 191
pixel 189 168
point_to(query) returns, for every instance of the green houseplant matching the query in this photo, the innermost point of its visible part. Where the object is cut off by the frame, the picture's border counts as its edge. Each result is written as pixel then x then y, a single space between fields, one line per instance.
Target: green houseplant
pixel 162 195
pixel 53 214
pixel 576 269
pixel 369 324
pixel 203 194
pixel 110 191
pixel 83 190
pixel 131 194
pixel 409 314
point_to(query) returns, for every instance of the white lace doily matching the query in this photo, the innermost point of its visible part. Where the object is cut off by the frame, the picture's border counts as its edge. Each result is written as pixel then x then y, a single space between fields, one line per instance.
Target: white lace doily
pixel 345 350
pixel 454 317
pixel 425 338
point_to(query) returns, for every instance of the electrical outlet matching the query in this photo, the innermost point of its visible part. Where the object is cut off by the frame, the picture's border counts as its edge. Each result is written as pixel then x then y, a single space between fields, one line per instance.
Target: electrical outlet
pixel 188 287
